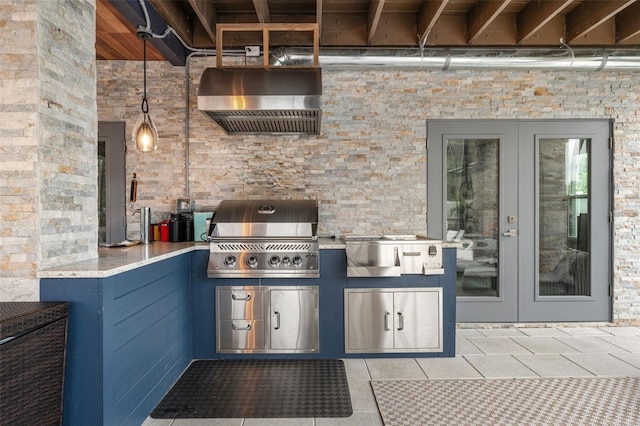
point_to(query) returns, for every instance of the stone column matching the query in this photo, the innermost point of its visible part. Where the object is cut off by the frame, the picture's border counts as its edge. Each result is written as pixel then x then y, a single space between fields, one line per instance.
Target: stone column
pixel 48 140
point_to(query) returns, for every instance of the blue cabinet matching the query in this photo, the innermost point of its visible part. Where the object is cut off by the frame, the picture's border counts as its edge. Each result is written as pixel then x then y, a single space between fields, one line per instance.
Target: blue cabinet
pixel 331 284
pixel 129 340
pixel 132 334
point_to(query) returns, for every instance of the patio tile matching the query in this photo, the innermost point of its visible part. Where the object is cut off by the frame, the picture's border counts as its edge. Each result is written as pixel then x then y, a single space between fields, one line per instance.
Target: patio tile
pixel 543 332
pixel 622 331
pixel 279 422
pixel 207 422
pixel 553 365
pixel 543 345
pixel 356 369
pixel 448 368
pixel 465 347
pixel 501 332
pixel 629 343
pixel 362 398
pixel 494 366
pixel 394 369
pixel 468 332
pixel 584 331
pixel 498 345
pixel 604 365
pixel 157 422
pixel 633 359
pixel 591 344
pixel 369 418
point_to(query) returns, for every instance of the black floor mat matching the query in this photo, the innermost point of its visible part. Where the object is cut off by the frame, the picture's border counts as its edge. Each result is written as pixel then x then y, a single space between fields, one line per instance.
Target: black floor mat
pixel 264 388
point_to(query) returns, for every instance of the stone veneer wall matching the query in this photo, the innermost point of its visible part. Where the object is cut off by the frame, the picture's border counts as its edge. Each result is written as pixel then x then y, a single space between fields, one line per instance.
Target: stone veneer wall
pixel 368 167
pixel 48 122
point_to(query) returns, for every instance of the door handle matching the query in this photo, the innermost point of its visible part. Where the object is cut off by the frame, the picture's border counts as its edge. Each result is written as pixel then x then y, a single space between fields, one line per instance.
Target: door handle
pixel 277 314
pixel 400 321
pixel 235 327
pixel 387 323
pixel 247 297
pixel 511 233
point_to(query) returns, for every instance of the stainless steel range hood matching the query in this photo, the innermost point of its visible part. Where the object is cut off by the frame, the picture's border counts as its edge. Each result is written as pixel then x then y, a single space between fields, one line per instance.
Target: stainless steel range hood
pixel 262 100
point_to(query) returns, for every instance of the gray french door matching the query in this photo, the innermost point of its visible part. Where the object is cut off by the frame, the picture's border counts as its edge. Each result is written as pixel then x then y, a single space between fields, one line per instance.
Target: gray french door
pixel 528 203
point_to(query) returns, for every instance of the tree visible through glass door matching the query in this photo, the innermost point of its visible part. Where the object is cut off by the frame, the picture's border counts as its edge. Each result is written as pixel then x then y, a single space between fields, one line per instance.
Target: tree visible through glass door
pixel 472 213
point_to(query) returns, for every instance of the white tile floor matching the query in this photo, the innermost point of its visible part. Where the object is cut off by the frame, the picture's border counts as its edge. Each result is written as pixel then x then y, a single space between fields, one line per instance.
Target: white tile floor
pixel 481 353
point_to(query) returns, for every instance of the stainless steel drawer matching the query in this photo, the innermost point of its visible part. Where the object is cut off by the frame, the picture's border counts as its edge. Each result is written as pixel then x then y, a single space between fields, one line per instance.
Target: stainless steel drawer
pixel 240 303
pixel 239 335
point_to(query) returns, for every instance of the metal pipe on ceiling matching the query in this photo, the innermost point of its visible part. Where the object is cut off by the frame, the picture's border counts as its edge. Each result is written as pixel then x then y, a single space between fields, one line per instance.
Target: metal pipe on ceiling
pixel 579 59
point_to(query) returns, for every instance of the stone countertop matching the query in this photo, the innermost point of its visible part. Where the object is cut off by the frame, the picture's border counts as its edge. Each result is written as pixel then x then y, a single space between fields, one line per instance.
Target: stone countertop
pixel 116 260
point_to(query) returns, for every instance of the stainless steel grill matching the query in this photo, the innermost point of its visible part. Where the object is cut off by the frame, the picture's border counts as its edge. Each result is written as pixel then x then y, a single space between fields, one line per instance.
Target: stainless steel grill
pixel 264 239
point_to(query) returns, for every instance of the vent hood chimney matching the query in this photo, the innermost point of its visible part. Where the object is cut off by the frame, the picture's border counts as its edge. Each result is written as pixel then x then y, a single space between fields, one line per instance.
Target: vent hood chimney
pixel 262 100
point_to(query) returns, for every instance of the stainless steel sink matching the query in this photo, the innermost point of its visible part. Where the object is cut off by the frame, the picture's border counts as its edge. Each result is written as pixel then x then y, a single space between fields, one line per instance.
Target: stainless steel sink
pixel 392 255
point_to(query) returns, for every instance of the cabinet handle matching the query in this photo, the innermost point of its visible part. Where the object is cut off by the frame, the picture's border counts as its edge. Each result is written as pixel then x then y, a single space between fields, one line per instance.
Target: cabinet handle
pixel 277 327
pixel 400 321
pixel 235 327
pixel 247 297
pixel 387 323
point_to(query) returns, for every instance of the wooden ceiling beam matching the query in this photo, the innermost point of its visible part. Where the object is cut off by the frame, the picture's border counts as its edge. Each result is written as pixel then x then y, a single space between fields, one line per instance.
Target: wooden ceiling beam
pixel 536 15
pixel 429 13
pixel 207 15
pixel 375 10
pixel 176 17
pixel 589 14
pixel 169 47
pixel 628 23
pixel 262 10
pixel 319 15
pixel 481 16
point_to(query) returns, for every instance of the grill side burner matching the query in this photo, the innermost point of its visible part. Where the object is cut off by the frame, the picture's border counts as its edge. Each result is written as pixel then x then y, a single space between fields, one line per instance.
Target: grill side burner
pixel 264 239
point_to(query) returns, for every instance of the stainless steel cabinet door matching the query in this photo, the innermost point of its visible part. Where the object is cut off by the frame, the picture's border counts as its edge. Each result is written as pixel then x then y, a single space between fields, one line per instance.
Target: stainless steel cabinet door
pixel 369 321
pixel 294 319
pixel 418 319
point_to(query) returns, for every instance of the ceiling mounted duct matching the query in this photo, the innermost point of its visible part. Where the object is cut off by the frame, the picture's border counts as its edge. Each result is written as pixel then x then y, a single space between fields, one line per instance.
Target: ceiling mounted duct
pixel 262 100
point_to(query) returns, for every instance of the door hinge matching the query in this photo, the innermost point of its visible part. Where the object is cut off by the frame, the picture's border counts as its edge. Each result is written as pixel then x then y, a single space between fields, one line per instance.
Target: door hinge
pixel 610 216
pixel 610 290
pixel 610 143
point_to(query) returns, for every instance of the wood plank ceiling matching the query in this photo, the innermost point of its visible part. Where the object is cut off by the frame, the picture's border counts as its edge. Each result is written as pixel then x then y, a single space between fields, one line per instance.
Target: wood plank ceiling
pixel 380 23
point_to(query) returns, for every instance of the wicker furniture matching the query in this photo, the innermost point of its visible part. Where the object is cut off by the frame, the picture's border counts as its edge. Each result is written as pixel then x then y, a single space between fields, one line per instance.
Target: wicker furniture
pixel 32 360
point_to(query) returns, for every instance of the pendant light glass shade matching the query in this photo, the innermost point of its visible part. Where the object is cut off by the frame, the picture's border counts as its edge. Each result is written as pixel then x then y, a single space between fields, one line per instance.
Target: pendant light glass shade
pixel 145 133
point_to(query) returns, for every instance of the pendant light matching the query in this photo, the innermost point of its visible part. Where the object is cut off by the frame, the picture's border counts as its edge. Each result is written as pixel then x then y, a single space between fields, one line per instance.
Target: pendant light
pixel 145 134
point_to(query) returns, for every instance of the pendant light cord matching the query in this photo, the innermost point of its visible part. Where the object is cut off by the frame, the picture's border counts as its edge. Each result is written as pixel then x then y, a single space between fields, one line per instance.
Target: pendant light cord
pixel 145 104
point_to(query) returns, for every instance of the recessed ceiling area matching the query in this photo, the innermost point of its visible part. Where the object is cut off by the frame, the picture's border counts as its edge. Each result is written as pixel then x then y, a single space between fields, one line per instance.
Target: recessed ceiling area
pixel 372 23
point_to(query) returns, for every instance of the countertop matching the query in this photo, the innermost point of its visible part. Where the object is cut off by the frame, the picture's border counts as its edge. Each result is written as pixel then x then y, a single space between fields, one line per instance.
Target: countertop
pixel 116 260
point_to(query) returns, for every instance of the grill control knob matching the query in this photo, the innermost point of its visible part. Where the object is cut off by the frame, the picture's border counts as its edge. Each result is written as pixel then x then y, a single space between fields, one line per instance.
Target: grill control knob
pixel 274 261
pixel 252 261
pixel 297 261
pixel 230 261
pixel 286 261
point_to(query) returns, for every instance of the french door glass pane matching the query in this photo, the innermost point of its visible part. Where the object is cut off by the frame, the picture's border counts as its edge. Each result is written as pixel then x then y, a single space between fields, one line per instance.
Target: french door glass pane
pixel 563 217
pixel 472 213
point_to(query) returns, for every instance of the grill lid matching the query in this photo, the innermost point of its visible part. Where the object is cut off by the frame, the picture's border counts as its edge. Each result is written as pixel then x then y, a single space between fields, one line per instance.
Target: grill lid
pixel 265 219
pixel 262 100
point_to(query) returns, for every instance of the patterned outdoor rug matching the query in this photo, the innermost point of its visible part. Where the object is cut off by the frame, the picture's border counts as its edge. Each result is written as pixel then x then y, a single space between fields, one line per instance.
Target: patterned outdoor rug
pixel 258 388
pixel 561 401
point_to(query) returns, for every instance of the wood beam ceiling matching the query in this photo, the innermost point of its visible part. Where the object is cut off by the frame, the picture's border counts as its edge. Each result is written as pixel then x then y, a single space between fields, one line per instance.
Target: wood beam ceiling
pixel 482 16
pixel 590 14
pixel 430 12
pixel 380 23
